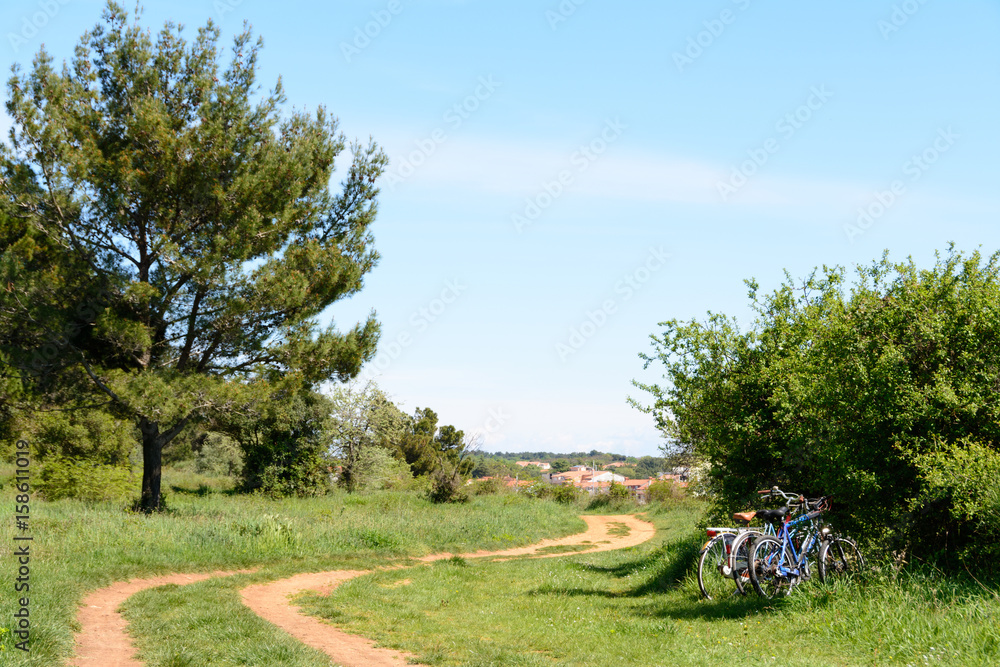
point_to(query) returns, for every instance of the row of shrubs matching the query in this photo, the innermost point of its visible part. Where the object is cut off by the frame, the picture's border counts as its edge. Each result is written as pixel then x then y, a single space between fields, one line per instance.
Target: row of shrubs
pixel 617 495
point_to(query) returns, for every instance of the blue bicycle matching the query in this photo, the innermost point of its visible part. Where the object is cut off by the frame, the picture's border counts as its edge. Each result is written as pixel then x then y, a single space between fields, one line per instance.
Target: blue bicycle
pixel 778 563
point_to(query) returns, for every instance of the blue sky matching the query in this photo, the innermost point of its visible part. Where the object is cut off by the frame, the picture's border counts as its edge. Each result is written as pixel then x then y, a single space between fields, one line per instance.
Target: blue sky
pixel 564 176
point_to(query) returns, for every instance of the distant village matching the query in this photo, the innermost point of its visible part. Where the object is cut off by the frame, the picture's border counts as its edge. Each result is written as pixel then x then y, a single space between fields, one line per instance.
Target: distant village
pixel 593 481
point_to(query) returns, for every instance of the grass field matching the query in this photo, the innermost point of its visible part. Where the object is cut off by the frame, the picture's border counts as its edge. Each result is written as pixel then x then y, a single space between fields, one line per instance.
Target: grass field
pixel 637 606
pixel 79 547
pixel 640 606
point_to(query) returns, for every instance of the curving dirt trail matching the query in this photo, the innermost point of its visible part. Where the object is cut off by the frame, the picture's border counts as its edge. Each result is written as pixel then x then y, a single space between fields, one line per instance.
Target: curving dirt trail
pixel 270 601
pixel 103 642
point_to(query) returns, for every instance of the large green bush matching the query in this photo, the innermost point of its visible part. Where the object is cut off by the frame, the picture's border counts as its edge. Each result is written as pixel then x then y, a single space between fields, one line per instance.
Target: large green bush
pixel 863 391
pixel 284 444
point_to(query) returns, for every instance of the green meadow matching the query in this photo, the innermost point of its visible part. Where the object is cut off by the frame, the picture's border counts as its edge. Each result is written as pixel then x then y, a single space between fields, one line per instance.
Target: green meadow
pixel 636 606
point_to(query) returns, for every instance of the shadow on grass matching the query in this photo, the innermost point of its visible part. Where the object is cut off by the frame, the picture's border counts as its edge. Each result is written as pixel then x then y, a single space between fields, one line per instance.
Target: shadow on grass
pixel 670 568
pixel 202 490
pixel 671 564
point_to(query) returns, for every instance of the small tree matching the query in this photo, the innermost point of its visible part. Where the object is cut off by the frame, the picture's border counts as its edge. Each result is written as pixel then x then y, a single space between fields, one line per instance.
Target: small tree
pixel 363 418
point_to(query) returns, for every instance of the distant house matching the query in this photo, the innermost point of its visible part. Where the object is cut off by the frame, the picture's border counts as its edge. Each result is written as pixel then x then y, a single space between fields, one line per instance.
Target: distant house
pixel 537 464
pixel 639 488
pixel 681 479
pixel 607 476
pixel 615 464
pixel 571 476
pixel 579 468
pixel 588 480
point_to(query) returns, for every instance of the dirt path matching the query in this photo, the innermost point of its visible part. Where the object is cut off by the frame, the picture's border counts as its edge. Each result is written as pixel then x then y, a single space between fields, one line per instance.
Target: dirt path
pixel 103 642
pixel 270 601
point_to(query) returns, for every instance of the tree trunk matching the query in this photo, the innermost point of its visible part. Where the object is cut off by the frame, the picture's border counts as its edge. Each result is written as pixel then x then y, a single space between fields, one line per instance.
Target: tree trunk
pixel 152 456
pixel 153 443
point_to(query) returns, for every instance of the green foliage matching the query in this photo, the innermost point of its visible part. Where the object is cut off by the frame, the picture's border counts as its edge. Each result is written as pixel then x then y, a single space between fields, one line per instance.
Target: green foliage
pixel 83 479
pixel 92 436
pixel 362 419
pixel 219 455
pixel 649 466
pixel 450 441
pixel 665 491
pixel 448 483
pixel 284 441
pixel 566 494
pixel 441 453
pixel 560 465
pixel 846 392
pixel 962 479
pixel 618 492
pixel 376 468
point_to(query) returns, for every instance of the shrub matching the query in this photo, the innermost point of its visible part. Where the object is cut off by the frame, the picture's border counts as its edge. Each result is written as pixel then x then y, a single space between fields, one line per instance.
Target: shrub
pixel 961 485
pixel 376 468
pixel 850 390
pixel 489 487
pixel 566 494
pixel 63 477
pixel 284 445
pixel 91 435
pixel 665 491
pixel 618 492
pixel 447 485
pixel 219 455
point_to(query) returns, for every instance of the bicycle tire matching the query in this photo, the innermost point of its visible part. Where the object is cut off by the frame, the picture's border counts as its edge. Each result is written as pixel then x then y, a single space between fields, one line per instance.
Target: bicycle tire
pixel 764 558
pixel 711 561
pixel 839 558
pixel 739 556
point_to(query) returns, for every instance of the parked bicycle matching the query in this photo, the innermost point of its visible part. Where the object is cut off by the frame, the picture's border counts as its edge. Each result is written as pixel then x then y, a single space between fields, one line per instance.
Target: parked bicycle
pixel 777 563
pixel 719 570
pixel 739 550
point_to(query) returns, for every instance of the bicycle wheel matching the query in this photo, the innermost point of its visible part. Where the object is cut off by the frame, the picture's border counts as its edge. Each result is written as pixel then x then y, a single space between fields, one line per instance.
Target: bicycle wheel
pixel 713 568
pixel 839 558
pixel 765 555
pixel 739 556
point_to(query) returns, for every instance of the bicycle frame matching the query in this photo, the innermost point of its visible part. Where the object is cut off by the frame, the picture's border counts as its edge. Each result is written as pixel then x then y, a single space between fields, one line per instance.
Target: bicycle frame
pixel 808 543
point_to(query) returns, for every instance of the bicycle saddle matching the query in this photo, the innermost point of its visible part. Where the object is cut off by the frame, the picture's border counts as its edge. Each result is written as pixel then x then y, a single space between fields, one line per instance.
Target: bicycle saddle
pixel 772 516
pixel 743 517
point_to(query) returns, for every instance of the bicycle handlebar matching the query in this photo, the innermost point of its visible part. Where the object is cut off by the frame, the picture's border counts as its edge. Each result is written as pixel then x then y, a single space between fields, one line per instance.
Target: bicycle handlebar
pixel 796 499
